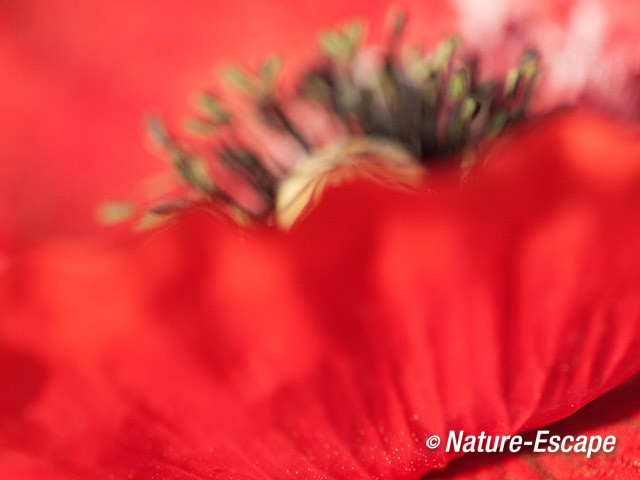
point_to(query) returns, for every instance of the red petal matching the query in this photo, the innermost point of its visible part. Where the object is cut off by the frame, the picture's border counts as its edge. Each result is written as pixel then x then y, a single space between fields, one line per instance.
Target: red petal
pixel 335 350
pixel 616 414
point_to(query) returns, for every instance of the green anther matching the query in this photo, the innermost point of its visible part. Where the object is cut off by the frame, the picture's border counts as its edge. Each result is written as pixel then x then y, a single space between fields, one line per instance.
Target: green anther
pixel 269 71
pixel 458 86
pixel 529 66
pixel 334 45
pixel 150 220
pixel 419 72
pixel 111 213
pixel 444 53
pixel 399 23
pixel 168 206
pixel 342 45
pixel 200 178
pixel 353 34
pixel 212 107
pixel 416 67
pixel 469 109
pixel 192 171
pixel 511 82
pixel 240 80
pixel 198 127
pixel 157 133
pixel 497 124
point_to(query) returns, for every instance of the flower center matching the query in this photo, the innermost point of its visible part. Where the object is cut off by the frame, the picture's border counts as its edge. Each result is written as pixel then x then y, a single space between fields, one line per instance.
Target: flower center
pixel 394 107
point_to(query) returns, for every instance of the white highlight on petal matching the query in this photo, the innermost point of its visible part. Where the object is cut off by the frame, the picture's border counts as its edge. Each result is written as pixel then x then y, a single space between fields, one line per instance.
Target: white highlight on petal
pixel 482 20
pixel 583 60
pixel 581 56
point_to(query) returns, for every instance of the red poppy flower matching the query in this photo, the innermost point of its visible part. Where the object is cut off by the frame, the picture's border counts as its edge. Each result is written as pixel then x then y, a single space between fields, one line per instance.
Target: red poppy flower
pixel 336 349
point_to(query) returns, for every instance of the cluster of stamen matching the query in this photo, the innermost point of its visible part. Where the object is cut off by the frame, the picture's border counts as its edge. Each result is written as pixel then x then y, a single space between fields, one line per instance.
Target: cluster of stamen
pixel 431 106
